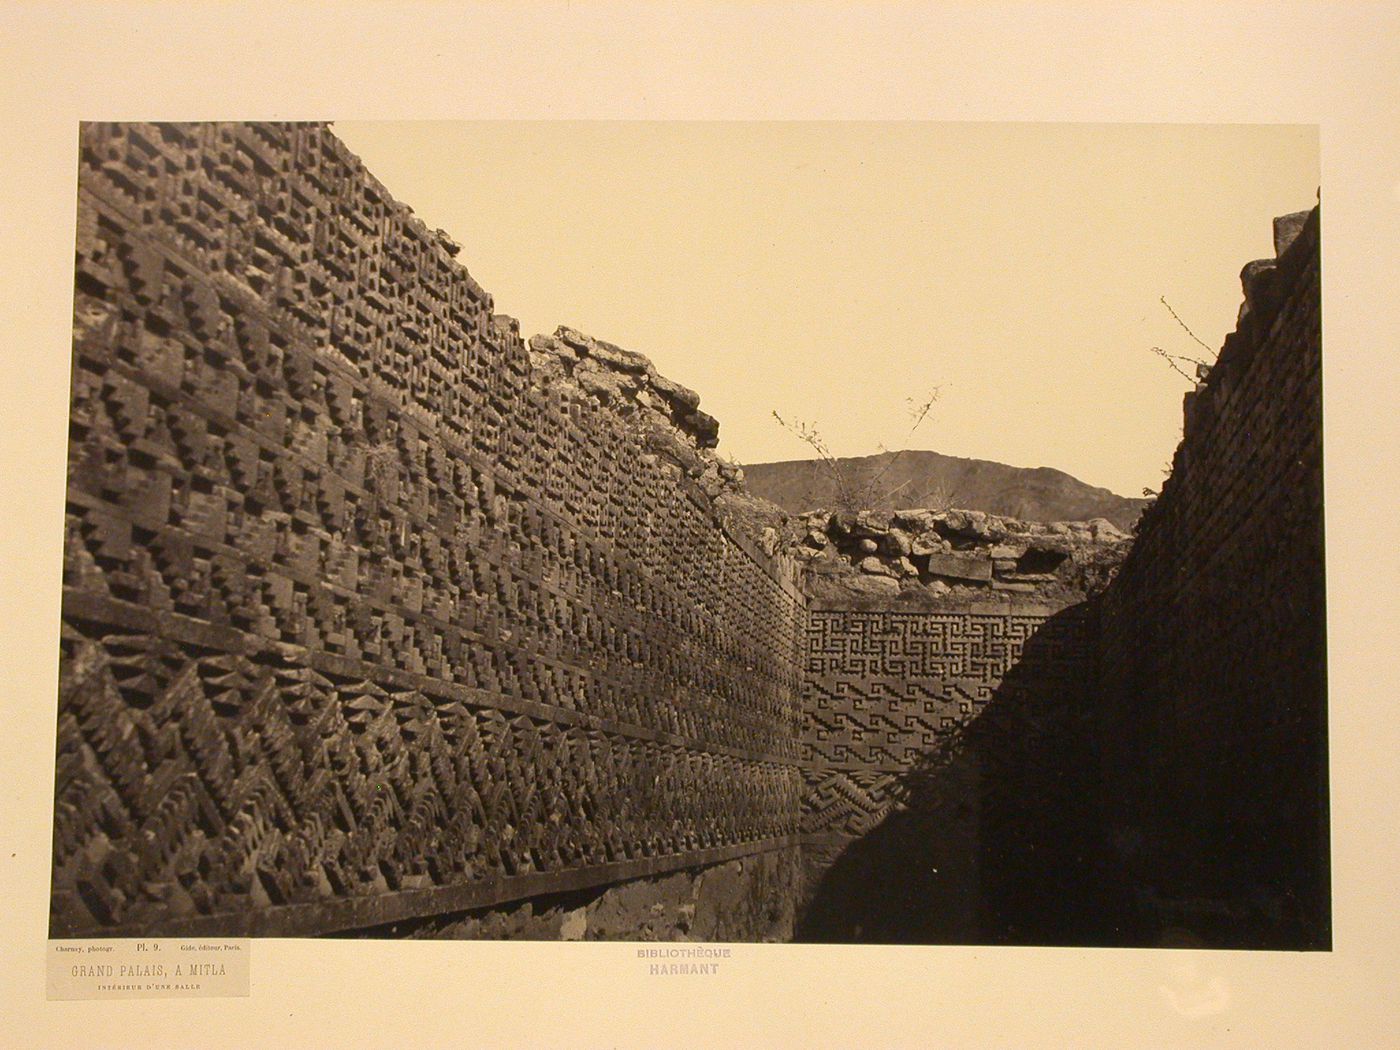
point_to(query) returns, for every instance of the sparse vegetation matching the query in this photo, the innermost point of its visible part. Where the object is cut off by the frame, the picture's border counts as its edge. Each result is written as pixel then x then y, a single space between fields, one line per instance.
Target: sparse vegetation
pixel 380 459
pixel 854 487
pixel 1176 360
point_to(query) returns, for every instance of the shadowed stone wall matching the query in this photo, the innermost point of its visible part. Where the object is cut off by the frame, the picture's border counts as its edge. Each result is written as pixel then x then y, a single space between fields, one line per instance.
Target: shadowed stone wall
pixel 950 793
pixel 1213 657
pixel 1144 767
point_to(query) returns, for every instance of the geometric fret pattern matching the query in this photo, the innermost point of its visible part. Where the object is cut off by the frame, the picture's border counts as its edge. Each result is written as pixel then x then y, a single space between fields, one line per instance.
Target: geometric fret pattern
pixel 887 690
pixel 355 605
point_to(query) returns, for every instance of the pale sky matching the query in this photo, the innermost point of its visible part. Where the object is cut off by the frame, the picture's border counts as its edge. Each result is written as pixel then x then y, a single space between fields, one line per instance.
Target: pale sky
pixel 831 271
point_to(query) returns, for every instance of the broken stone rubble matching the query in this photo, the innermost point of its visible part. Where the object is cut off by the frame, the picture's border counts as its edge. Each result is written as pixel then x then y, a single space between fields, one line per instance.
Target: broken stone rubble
pixel 956 553
pixel 964 554
pixel 665 412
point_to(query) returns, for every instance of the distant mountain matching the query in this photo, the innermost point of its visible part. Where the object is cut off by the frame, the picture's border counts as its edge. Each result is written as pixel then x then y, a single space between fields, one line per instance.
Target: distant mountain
pixel 919 479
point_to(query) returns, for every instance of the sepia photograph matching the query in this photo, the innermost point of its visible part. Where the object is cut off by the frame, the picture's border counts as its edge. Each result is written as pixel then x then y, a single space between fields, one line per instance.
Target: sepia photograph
pixel 386 615
pixel 596 524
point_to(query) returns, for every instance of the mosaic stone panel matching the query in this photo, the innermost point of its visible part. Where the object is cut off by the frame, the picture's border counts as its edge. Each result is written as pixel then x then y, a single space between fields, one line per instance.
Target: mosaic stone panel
pixel 354 610
pixel 887 691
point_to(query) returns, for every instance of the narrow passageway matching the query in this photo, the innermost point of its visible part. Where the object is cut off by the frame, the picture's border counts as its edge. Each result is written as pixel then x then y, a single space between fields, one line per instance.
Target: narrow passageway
pixel 379 616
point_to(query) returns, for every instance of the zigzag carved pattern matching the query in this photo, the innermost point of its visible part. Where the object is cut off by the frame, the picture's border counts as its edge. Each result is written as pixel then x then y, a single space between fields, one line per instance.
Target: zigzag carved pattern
pixel 299 433
pixel 850 803
pixel 220 784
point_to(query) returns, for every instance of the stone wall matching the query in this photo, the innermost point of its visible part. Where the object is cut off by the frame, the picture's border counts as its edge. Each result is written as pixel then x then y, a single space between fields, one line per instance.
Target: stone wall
pixel 948 687
pixel 371 611
pixel 948 792
pixel 747 899
pixel 1213 664
pixel 1140 761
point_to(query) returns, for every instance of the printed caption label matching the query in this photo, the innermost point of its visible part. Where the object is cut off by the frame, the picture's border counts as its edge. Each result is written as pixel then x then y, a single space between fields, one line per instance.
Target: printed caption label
pixel 148 968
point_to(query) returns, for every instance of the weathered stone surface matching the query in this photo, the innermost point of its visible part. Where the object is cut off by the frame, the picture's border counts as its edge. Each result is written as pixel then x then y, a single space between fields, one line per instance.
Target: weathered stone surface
pixel 574 925
pixel 674 446
pixel 751 899
pixel 915 521
pixel 1019 588
pixel 1286 230
pixel 929 543
pixel 711 484
pixel 965 523
pixel 842 523
pixel 1103 529
pixel 682 398
pixel 874 586
pixel 703 427
pixel 446 242
pixel 872 523
pixel 897 543
pixel 875 565
pixel 602 385
pixel 768 541
pixel 627 381
pixel 1066 560
pixel 573 339
pixel 960 566
pixel 620 359
pixel 1011 551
